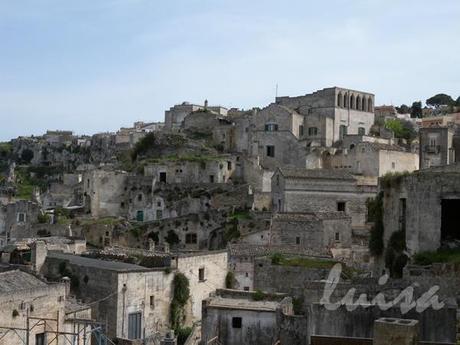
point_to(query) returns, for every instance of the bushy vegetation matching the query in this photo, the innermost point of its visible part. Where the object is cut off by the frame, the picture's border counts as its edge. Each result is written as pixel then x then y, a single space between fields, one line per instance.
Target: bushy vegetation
pixel 143 145
pixel 402 129
pixel 440 256
pixel 181 294
pixel 375 215
pixel 279 259
pixel 392 179
pixel 230 280
pixel 395 258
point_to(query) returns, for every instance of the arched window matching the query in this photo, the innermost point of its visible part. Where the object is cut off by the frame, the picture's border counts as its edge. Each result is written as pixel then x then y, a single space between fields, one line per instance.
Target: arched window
pixel 345 101
pixel 358 103
pixel 339 100
pixel 352 102
pixel 363 106
pixel 369 105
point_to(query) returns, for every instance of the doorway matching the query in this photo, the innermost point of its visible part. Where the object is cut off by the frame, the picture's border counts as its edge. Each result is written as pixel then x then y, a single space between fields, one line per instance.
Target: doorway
pixel 450 226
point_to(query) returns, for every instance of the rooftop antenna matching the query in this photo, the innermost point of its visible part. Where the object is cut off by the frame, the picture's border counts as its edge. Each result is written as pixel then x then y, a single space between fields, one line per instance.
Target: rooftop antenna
pixel 276 91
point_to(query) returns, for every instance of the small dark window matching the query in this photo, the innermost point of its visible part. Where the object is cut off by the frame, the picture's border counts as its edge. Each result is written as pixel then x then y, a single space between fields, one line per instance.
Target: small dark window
pixel 297 240
pixel 229 165
pixel 341 206
pixel 312 131
pixel 300 130
pixel 190 239
pixel 271 127
pixel 40 339
pixel 337 236
pixel 201 274
pixel 122 205
pixel 211 178
pixel 246 288
pixel 237 322
pixel 163 177
pixel 152 301
pixel 270 151
pixel 139 197
pixel 361 131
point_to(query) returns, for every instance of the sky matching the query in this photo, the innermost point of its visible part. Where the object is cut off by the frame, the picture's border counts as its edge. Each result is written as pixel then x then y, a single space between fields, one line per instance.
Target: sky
pixel 97 65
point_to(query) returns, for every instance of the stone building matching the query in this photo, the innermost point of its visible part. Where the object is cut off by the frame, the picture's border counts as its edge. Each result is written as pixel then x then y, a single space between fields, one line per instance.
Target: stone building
pixel 241 260
pixel 439 146
pixel 17 219
pixel 134 300
pixel 373 159
pixel 235 318
pixel 425 206
pixel 302 190
pixel 317 232
pixel 176 114
pixel 332 113
pixel 275 137
pixel 206 272
pixel 27 301
pixel 218 169
pixel 103 191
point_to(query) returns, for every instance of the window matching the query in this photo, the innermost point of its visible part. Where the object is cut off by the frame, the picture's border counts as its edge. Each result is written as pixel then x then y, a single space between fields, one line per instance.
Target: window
pixel 277 180
pixel 21 217
pixel 361 131
pixel 122 205
pixel 229 165
pixel 312 131
pixel 271 127
pixel 342 131
pixel 337 236
pixel 297 240
pixel 40 339
pixel 402 214
pixel 341 206
pixel 300 130
pixel 191 239
pixel 246 288
pixel 159 214
pixel 140 216
pixel 339 100
pixel 139 197
pixel 159 203
pixel 393 165
pixel 134 325
pixel 152 301
pixel 211 178
pixel 163 177
pixel 201 274
pixel 237 322
pixel 270 151
pixel 247 274
pixel 279 205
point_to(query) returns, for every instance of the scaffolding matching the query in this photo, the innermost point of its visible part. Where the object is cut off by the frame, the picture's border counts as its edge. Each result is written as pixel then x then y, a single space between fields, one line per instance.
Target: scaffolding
pixel 84 331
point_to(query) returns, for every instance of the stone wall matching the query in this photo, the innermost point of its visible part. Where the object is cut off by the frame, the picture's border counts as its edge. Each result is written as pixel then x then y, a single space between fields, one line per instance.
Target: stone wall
pixel 214 265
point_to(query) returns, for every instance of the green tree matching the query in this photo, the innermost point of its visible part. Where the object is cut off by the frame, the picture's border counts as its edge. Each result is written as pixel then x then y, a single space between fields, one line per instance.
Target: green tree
pixel 439 100
pixel 416 110
pixel 27 155
pixel 402 129
pixel 403 109
pixel 457 102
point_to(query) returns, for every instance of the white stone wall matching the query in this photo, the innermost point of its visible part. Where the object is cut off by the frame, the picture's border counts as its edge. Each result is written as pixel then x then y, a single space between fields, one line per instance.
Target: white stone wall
pixel 215 268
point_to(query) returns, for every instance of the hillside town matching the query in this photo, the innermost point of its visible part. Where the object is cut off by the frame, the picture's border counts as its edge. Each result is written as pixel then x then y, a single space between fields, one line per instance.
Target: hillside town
pixel 224 227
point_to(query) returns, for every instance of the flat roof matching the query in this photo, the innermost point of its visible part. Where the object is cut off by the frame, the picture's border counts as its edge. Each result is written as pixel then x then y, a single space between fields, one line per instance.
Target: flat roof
pixel 242 304
pixel 116 266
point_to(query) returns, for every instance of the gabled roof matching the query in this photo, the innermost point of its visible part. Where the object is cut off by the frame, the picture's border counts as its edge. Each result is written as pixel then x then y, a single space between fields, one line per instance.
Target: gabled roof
pixel 316 174
pixel 17 280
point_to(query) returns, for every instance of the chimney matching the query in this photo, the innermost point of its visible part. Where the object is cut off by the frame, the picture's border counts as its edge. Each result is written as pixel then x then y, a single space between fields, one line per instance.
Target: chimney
pixel 205 104
pixel 392 331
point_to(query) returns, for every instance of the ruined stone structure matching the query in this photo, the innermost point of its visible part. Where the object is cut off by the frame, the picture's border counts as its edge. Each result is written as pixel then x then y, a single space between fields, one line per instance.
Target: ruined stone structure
pixel 176 114
pixel 301 190
pixel 425 206
pixel 234 318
